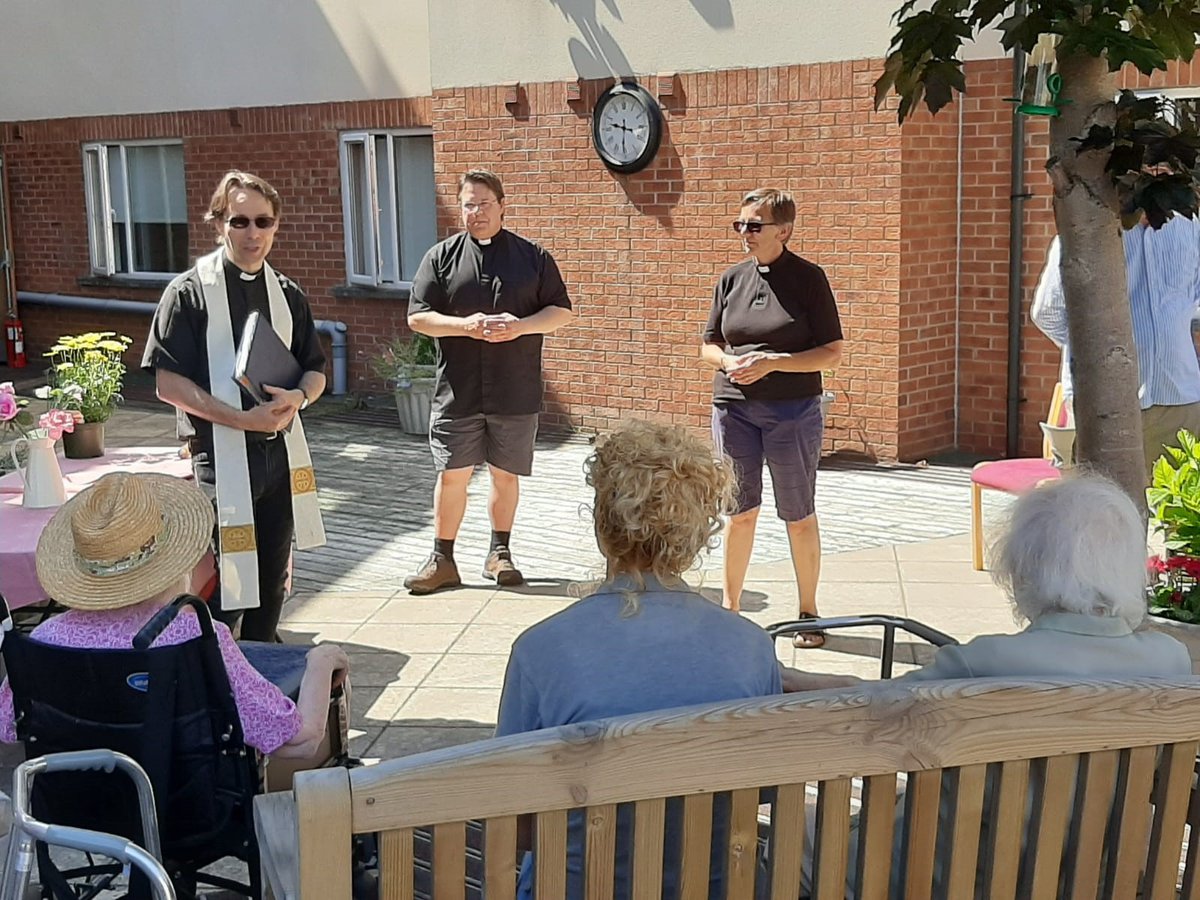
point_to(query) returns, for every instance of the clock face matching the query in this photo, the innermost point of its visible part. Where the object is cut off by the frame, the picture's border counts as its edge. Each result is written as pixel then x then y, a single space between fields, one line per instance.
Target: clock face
pixel 626 127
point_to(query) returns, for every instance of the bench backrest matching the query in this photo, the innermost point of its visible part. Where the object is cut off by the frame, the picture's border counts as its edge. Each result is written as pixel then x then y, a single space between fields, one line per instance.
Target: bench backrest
pixel 1023 786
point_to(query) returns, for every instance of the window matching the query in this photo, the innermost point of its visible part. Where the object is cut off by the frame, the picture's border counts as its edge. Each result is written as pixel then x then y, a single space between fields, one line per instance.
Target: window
pixel 1180 106
pixel 136 208
pixel 388 205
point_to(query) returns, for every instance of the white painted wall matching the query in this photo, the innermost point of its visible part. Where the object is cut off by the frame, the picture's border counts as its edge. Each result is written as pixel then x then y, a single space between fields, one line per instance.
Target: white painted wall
pixel 87 57
pixel 477 42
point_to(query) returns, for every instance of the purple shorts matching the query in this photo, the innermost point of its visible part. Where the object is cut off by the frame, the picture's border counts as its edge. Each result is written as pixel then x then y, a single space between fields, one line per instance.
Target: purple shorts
pixel 784 433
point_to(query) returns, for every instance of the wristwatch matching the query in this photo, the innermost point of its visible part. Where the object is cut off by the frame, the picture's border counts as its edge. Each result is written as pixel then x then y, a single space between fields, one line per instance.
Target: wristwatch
pixel 304 403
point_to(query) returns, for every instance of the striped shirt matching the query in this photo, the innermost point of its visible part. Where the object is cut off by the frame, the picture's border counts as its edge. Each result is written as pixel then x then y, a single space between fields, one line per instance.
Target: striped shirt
pixel 1163 271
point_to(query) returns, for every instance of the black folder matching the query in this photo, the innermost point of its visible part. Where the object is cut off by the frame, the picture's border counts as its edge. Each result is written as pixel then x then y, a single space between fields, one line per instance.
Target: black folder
pixel 262 359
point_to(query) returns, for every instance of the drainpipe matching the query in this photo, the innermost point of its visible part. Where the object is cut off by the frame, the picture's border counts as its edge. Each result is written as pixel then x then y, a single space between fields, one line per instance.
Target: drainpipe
pixel 336 330
pixel 1016 239
pixel 337 336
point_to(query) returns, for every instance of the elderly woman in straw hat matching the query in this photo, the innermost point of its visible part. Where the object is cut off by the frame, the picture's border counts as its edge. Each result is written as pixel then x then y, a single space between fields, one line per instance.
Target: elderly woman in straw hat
pixel 121 550
pixel 643 640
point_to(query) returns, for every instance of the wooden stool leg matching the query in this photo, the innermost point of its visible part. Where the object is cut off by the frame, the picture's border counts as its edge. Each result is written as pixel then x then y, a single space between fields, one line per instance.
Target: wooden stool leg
pixel 976 527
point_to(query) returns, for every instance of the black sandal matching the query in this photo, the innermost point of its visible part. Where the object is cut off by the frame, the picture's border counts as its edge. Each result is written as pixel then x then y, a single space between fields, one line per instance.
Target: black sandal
pixel 808 640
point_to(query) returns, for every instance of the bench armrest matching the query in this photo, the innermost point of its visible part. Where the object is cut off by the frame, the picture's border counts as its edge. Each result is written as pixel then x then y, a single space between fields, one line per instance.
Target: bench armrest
pixel 278 841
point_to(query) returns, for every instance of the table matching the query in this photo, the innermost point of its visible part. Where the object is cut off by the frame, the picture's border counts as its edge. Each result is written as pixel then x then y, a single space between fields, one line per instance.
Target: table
pixel 20 528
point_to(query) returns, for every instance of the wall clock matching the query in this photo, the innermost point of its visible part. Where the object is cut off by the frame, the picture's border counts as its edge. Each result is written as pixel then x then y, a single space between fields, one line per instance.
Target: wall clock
pixel 626 127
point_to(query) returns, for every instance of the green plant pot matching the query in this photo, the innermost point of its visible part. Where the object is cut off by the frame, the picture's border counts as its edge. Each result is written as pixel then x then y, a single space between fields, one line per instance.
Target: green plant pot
pixel 85 442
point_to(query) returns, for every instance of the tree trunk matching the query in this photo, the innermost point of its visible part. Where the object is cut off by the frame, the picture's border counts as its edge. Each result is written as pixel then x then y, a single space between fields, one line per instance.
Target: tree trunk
pixel 1107 413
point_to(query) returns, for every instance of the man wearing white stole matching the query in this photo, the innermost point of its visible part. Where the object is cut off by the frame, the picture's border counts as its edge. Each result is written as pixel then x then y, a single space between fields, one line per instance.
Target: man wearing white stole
pixel 251 459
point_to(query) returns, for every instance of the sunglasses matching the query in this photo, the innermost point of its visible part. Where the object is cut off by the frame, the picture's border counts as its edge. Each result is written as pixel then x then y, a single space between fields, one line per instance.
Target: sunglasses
pixel 262 223
pixel 749 227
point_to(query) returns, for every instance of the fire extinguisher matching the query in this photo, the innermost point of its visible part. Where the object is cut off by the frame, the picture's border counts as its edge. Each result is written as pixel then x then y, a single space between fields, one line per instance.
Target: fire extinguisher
pixel 14 342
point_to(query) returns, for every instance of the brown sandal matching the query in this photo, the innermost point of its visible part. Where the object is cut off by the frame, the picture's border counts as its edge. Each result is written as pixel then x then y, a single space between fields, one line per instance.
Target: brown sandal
pixel 808 640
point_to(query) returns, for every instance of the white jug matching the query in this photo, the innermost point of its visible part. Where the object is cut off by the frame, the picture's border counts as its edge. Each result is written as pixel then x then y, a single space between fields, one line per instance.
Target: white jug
pixel 41 474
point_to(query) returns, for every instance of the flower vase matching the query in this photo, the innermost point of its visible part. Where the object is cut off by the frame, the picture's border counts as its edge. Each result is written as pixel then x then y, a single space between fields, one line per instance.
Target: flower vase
pixel 85 442
pixel 41 475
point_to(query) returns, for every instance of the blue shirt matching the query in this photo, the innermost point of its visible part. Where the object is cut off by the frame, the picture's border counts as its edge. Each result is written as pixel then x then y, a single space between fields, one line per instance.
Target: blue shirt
pixel 597 659
pixel 1163 271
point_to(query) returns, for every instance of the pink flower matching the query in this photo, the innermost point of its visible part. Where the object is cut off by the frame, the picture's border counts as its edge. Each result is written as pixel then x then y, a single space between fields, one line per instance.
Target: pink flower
pixel 56 422
pixel 8 406
pixel 1156 564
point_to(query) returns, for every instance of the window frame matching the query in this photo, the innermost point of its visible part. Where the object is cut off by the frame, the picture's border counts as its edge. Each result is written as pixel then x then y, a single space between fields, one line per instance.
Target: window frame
pixel 102 248
pixel 381 273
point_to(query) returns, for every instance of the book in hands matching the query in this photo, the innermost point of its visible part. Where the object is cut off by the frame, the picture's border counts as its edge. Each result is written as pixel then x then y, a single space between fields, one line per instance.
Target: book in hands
pixel 262 359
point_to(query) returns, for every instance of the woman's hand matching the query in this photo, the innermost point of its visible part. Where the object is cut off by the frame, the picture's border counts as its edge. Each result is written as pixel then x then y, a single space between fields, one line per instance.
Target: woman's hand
pixel 334 659
pixel 750 367
pixel 795 681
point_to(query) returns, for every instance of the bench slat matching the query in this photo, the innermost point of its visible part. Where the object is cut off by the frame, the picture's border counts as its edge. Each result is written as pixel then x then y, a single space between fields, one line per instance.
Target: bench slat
pixel 968 821
pixel 1099 778
pixel 1009 829
pixel 1191 875
pixel 742 858
pixel 499 858
pixel 550 854
pixel 601 851
pixel 450 861
pixel 697 846
pixel 649 827
pixel 876 835
pixel 1133 821
pixel 833 838
pixel 787 841
pixel 1058 784
pixel 396 864
pixel 1171 798
pixel 275 828
pixel 921 798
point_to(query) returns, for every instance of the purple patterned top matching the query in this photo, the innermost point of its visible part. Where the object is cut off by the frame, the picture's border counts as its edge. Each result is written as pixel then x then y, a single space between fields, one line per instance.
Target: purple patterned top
pixel 269 718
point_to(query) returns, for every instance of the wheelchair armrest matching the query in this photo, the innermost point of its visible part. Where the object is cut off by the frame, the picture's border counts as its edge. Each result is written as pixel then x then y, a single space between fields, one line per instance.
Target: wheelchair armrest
pixel 889 624
pixel 149 632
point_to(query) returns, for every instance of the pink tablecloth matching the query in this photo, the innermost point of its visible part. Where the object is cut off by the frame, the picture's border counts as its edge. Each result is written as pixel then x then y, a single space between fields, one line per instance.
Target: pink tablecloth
pixel 20 528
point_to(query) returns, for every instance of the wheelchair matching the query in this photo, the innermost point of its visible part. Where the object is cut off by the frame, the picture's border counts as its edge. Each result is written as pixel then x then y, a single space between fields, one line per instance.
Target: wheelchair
pixel 170 709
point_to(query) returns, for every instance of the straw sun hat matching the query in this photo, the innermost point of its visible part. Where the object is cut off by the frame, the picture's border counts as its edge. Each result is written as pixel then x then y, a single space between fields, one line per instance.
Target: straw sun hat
pixel 123 540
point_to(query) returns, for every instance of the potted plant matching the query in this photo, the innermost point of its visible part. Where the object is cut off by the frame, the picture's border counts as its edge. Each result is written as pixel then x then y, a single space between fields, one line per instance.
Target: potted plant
pixel 1174 501
pixel 409 365
pixel 86 374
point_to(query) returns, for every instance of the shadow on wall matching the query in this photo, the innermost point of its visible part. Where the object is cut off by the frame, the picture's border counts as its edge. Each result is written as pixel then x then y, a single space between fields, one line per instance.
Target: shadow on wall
pixel 595 53
pixel 717 13
pixel 657 189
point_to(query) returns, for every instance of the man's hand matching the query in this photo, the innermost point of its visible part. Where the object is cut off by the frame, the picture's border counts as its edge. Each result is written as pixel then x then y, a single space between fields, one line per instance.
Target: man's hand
pixel 750 367
pixel 275 414
pixel 501 327
pixel 473 324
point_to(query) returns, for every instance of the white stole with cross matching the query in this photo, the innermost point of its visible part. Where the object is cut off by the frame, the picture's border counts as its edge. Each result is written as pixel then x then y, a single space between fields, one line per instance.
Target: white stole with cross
pixel 235 505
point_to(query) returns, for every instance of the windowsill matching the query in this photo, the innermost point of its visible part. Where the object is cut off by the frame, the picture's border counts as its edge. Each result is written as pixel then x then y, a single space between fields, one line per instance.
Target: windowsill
pixel 154 283
pixel 362 292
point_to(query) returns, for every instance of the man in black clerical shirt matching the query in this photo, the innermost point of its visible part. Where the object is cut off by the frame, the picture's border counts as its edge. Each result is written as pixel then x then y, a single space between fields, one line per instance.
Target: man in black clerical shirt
pixel 487 296
pixel 190 333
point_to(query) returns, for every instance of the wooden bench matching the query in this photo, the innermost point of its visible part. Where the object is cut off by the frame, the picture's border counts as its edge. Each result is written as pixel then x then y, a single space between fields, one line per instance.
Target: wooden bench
pixel 1087 786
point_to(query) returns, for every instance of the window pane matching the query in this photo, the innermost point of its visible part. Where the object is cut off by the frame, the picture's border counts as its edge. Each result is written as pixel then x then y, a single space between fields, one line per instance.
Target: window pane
pixel 415 200
pixel 120 213
pixel 389 250
pixel 359 198
pixel 158 205
pixel 98 211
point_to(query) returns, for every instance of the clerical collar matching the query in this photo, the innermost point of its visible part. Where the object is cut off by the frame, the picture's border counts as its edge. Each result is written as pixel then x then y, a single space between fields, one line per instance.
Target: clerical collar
pixel 763 268
pixel 483 242
pixel 246 276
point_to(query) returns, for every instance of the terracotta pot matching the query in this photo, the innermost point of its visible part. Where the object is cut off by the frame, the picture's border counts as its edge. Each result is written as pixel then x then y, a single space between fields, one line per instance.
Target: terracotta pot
pixel 85 442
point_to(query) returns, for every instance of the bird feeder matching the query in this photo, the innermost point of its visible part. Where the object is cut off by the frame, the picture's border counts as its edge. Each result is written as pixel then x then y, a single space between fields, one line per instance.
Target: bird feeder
pixel 1041 83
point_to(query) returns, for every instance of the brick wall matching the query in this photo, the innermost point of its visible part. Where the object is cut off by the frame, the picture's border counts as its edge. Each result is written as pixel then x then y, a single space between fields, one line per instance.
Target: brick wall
pixel 641 252
pixel 927 311
pixel 294 148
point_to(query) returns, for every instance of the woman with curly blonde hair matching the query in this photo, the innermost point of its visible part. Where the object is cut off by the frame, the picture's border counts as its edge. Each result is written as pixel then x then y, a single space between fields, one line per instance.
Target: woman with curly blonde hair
pixel 642 640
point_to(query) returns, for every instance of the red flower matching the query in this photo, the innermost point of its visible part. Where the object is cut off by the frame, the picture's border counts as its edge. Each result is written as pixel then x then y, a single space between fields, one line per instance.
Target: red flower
pixel 1156 564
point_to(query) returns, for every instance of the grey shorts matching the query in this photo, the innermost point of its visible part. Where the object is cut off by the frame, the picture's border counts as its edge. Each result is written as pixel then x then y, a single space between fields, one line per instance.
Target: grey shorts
pixel 505 442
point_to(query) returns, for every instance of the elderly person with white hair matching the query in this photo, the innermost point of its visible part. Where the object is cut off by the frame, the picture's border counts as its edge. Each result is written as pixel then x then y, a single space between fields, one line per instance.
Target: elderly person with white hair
pixel 1072 560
